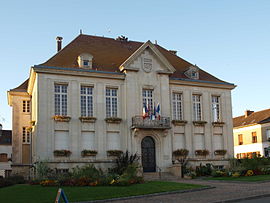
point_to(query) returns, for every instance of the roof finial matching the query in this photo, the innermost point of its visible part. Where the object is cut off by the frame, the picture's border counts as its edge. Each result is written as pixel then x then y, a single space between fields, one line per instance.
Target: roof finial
pixel 80 31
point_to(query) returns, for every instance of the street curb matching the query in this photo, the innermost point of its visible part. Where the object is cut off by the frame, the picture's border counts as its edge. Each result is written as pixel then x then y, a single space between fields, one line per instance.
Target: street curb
pixel 149 195
pixel 244 198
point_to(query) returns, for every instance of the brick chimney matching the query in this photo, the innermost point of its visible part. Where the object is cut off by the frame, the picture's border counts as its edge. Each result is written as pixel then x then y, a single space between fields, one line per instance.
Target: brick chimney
pixel 59 43
pixel 248 112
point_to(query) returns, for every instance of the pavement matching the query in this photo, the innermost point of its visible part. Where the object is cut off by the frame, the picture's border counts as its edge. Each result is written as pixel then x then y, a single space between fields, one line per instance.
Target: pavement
pixel 223 192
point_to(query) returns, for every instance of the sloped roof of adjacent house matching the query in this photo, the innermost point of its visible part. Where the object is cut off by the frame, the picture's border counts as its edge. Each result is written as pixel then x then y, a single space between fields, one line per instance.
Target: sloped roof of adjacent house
pixel 108 54
pixel 5 137
pixel 258 117
pixel 22 87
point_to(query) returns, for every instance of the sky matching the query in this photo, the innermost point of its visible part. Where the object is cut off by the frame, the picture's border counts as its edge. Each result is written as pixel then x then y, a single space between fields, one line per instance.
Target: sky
pixel 227 38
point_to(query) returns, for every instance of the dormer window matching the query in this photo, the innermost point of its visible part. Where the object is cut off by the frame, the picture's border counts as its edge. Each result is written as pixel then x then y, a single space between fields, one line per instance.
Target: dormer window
pixel 192 72
pixel 85 60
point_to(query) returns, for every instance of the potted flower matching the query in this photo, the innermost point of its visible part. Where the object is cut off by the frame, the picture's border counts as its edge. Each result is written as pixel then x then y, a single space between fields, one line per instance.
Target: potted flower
pixel 180 152
pixel 32 123
pixel 88 119
pixel 87 152
pixel 201 152
pixel 62 152
pixel 114 152
pixel 179 122
pixel 220 152
pixel 113 120
pixel 61 118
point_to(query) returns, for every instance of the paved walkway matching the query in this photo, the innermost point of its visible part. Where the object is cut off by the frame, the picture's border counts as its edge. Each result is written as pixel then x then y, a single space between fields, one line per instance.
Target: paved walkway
pixel 224 191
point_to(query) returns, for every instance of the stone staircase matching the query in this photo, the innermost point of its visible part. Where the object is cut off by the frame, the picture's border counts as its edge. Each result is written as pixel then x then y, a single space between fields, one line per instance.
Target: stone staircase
pixel 164 176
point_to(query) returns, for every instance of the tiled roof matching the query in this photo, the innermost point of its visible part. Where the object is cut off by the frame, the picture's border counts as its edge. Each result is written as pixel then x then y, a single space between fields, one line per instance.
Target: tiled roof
pixel 21 88
pixel 5 137
pixel 258 117
pixel 109 54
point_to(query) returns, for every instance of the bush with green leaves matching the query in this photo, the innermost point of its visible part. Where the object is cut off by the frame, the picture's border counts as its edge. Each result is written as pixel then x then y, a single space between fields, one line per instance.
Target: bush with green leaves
pixel 123 161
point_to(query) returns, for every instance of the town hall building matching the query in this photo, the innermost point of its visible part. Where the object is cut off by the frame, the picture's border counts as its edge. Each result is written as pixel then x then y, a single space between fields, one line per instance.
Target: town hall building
pixel 87 103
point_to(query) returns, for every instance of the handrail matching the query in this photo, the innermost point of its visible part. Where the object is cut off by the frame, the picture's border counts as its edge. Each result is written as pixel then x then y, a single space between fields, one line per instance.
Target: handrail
pixel 159 172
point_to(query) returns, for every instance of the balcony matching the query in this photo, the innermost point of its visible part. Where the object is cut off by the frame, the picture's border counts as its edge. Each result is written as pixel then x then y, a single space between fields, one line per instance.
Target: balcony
pixel 146 123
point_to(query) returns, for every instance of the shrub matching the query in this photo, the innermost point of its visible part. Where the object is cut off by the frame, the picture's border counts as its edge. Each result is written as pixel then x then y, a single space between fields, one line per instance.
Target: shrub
pixel 4 182
pixel 42 170
pixel 249 173
pixel 218 173
pixel 204 170
pixel 235 174
pixel 123 161
pixel 12 180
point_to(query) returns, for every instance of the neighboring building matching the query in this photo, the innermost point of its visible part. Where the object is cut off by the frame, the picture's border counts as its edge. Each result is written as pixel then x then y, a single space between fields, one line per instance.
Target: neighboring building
pixel 5 152
pixel 91 95
pixel 252 134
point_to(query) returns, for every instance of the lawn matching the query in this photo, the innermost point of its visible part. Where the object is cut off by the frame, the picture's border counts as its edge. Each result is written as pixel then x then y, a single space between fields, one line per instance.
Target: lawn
pixel 243 178
pixel 37 193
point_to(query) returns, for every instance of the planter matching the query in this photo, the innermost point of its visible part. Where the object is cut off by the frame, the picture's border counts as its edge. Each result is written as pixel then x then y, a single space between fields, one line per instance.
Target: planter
pixel 62 153
pixel 199 123
pixel 32 123
pixel 179 122
pixel 85 119
pixel 220 152
pixel 29 129
pixel 61 118
pixel 218 124
pixel 114 153
pixel 113 120
pixel 180 152
pixel 85 153
pixel 201 152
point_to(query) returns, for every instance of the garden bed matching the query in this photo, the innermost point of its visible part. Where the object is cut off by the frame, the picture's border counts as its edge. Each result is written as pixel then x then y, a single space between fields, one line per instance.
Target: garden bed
pixel 37 193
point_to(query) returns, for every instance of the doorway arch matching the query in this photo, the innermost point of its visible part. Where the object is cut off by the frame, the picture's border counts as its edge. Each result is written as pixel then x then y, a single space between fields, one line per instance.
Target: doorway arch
pixel 148 154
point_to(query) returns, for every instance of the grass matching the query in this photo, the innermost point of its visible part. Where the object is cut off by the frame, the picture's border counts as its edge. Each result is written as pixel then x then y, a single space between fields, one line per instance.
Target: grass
pixel 37 193
pixel 243 178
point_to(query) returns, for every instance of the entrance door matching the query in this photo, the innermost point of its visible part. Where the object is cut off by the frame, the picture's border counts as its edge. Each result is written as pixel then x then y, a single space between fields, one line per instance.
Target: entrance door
pixel 148 154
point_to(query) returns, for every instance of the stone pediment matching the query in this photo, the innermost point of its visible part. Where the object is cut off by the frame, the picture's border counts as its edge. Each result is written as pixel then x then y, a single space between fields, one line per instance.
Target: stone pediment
pixel 148 58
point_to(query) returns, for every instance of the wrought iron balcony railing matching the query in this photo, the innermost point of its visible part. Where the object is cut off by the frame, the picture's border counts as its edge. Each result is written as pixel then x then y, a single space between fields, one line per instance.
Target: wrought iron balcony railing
pixel 140 122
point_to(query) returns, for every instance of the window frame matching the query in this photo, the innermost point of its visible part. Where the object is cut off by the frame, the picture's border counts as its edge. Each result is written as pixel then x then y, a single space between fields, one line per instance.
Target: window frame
pixel 254 137
pixel 26 136
pixel 146 99
pixel 111 110
pixel 177 106
pixel 89 98
pixel 26 106
pixel 240 141
pixel 216 115
pixel 197 107
pixel 63 108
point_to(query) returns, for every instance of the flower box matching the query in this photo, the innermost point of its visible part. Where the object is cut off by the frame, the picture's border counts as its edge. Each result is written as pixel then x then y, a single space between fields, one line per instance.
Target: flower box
pixel 180 152
pixel 114 152
pixel 62 152
pixel 32 123
pixel 29 129
pixel 179 122
pixel 199 123
pixel 221 152
pixel 88 153
pixel 85 119
pixel 61 118
pixel 201 152
pixel 218 124
pixel 113 120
